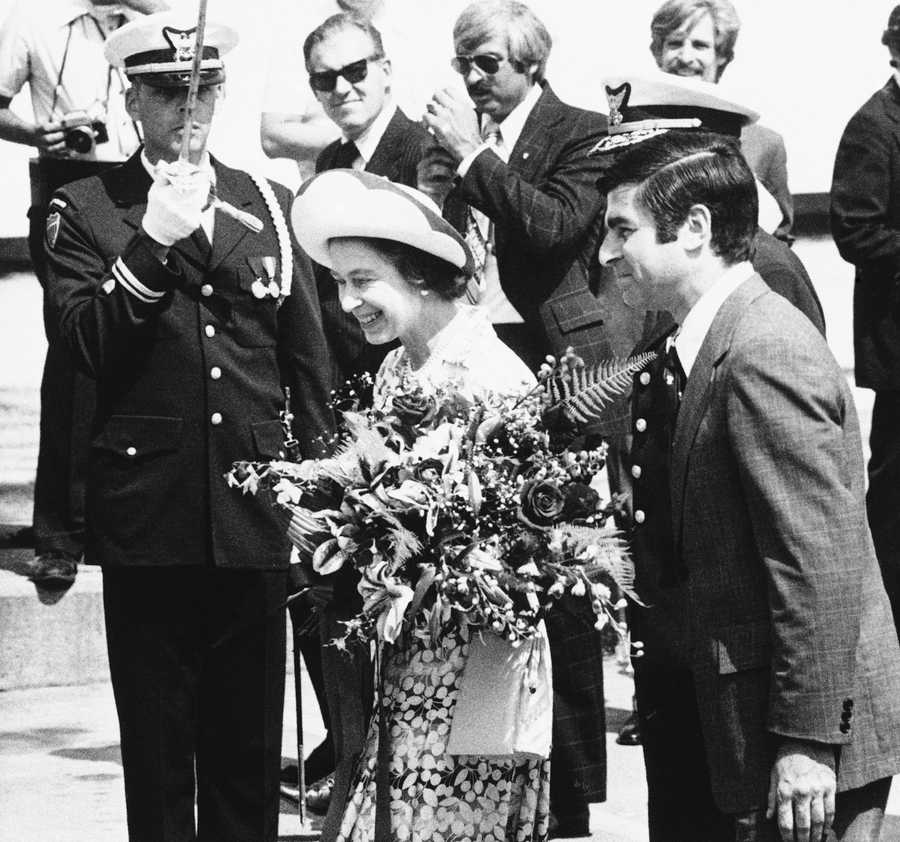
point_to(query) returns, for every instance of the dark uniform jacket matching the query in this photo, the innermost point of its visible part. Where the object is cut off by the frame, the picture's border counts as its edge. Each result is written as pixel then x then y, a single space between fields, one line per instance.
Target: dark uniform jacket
pixel 189 358
pixel 546 211
pixel 865 222
pixel 396 157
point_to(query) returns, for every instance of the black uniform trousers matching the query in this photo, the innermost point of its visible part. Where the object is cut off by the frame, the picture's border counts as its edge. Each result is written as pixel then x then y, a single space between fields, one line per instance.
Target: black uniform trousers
pixel 197 657
pixel 68 396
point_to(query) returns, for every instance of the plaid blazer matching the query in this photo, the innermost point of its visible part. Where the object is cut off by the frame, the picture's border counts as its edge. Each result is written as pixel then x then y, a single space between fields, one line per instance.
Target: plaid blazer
pixel 547 213
pixel 790 631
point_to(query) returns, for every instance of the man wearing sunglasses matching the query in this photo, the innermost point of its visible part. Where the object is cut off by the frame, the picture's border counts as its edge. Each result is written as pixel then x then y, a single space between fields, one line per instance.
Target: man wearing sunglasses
pixel 536 185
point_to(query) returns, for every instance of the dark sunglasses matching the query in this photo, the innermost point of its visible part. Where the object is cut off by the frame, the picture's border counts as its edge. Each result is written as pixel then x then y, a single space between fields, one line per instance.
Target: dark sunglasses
pixel 485 63
pixel 354 73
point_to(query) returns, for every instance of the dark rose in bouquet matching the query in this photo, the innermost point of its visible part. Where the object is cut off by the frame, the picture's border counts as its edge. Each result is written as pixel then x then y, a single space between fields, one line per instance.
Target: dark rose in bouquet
pixel 542 502
pixel 581 501
pixel 414 408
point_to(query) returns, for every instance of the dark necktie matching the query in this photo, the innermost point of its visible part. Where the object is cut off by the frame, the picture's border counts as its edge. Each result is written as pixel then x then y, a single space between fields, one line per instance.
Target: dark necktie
pixel 345 156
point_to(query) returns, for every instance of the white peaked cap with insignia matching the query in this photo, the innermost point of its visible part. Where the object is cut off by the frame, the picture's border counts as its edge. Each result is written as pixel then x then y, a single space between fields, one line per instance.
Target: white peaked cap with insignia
pixel 647 104
pixel 355 203
pixel 159 49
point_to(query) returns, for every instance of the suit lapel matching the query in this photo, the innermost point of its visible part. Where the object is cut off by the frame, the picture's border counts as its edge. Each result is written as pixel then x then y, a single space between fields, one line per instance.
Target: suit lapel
pixel 525 156
pixel 228 232
pixel 389 151
pixel 699 384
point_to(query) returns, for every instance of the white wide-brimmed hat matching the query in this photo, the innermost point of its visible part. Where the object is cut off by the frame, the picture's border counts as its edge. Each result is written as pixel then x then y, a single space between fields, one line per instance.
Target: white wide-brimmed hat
pixel 160 49
pixel 355 203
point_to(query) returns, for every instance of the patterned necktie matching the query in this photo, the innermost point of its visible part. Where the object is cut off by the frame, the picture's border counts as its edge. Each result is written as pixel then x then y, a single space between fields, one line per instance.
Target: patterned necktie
pixel 479 229
pixel 345 156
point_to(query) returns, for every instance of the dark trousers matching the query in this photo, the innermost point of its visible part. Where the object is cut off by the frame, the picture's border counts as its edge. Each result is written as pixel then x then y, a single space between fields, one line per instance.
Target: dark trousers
pixel 67 396
pixel 196 657
pixel 680 803
pixel 578 756
pixel 883 497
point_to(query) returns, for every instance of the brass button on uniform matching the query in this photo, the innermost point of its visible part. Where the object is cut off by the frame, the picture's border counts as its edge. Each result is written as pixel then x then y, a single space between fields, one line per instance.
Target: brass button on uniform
pixel 645 378
pixel 210 331
pixel 639 516
pixel 131 451
pixel 636 471
pixel 215 372
pixel 215 419
pixel 206 290
pixel 640 425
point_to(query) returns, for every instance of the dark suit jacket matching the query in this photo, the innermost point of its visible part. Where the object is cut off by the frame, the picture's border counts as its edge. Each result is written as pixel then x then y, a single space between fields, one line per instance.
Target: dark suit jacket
pixel 865 222
pixel 546 210
pixel 189 364
pixel 396 157
pixel 790 629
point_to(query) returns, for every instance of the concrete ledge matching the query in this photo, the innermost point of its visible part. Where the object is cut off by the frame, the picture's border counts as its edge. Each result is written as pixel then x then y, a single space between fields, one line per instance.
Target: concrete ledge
pixel 46 645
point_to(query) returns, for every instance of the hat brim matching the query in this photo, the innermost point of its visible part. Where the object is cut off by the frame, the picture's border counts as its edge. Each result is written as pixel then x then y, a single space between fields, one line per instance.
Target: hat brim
pixel 180 78
pixel 354 203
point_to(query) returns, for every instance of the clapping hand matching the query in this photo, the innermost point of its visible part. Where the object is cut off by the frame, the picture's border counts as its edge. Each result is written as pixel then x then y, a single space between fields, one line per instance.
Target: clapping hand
pixel 452 121
pixel 175 203
pixel 802 790
pixel 436 173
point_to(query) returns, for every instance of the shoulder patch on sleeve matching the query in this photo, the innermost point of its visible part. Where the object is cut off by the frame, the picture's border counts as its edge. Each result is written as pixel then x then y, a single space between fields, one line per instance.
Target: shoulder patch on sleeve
pixel 53 221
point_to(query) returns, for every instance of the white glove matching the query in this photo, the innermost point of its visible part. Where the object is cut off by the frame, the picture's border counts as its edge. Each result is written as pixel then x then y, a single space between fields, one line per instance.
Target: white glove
pixel 175 203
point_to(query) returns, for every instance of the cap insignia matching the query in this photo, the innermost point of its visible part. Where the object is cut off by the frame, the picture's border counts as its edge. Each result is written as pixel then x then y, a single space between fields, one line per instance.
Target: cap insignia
pixel 618 100
pixel 182 42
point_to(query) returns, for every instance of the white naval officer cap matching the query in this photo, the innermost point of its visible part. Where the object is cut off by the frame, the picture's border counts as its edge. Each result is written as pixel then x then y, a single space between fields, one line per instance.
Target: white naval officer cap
pixel 647 104
pixel 159 49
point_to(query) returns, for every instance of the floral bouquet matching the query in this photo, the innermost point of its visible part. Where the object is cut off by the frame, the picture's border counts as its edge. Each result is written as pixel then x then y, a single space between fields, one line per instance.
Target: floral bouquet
pixel 460 511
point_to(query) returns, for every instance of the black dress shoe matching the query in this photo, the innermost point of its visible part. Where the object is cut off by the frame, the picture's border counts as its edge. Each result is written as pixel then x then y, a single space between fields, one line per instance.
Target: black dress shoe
pixel 569 825
pixel 54 571
pixel 630 735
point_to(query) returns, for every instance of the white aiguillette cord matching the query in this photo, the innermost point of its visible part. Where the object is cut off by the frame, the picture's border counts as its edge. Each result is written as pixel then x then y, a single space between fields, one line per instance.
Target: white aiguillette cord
pixel 248 220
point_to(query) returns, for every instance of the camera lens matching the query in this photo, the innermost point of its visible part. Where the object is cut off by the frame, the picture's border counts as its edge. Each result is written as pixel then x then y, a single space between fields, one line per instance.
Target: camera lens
pixel 80 139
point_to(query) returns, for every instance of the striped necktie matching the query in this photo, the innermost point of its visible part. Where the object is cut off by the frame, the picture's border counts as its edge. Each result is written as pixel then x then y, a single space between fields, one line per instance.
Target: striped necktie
pixel 479 229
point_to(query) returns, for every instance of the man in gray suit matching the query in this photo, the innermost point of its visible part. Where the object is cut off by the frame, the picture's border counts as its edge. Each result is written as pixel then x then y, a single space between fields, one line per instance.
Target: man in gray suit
pixel 791 649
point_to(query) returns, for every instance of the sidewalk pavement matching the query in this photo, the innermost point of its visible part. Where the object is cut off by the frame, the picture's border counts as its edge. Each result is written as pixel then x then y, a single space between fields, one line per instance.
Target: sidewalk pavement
pixel 61 773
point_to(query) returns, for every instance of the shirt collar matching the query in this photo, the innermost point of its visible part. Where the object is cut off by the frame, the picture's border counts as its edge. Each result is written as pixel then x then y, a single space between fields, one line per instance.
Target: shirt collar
pixel 514 122
pixel 368 141
pixel 699 319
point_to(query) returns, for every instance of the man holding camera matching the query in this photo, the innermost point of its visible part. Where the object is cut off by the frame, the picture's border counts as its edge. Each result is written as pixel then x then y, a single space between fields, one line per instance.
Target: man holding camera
pixel 80 127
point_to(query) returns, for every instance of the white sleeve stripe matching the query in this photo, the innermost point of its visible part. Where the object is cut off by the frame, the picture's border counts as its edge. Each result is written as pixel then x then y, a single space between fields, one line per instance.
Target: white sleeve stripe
pixel 126 277
pixel 56 202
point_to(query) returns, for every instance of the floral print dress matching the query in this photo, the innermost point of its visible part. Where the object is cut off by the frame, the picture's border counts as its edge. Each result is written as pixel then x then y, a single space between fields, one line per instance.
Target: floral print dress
pixel 432 795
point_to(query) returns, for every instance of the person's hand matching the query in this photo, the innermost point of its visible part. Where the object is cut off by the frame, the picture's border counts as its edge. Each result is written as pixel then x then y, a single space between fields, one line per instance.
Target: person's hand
pixel 175 203
pixel 49 136
pixel 802 788
pixel 453 122
pixel 436 173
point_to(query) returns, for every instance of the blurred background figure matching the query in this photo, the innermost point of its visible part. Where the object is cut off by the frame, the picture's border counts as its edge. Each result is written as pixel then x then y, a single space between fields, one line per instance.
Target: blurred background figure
pixel 865 222
pixel 696 38
pixel 80 127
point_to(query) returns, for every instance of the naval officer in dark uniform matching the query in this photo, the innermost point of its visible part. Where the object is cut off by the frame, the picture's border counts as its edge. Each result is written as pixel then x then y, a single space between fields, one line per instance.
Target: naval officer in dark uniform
pixel 192 325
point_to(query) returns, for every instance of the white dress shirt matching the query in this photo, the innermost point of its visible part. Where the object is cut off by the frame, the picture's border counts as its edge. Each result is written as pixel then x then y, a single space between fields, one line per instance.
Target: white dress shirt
pixel 699 320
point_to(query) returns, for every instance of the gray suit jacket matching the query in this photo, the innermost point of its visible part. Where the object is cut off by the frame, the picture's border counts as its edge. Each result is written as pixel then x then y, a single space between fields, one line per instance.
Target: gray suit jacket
pixel 790 628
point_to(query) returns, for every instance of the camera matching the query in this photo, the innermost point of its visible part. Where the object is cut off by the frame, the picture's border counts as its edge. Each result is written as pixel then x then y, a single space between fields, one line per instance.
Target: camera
pixel 82 131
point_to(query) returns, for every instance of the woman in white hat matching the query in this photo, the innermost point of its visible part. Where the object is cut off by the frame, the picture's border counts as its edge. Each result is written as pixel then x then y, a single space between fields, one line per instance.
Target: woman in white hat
pixel 401 271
